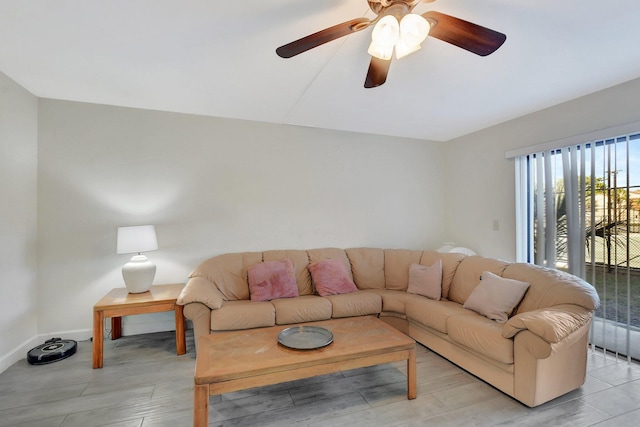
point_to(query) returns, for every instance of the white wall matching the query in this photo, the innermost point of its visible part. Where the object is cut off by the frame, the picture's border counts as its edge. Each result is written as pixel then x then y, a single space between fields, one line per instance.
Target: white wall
pixel 481 181
pixel 212 186
pixel 18 232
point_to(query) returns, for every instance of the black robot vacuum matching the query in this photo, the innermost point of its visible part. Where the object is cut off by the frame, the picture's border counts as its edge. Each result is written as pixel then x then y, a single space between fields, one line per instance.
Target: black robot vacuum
pixel 51 351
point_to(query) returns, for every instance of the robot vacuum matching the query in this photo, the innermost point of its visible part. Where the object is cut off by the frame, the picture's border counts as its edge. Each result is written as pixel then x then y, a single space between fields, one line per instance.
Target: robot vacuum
pixel 51 351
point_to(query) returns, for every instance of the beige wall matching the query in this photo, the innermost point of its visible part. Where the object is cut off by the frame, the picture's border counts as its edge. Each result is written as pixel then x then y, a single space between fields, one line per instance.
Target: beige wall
pixel 18 195
pixel 480 180
pixel 211 186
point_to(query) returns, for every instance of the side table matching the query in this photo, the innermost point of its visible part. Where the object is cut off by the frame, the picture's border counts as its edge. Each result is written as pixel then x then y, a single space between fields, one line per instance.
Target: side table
pixel 119 302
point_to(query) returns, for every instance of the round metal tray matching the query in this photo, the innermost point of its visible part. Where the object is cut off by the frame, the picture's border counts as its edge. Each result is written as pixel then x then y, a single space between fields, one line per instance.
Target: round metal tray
pixel 305 337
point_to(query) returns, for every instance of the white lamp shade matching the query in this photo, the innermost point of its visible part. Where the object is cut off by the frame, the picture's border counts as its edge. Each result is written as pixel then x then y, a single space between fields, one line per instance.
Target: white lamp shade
pixel 136 239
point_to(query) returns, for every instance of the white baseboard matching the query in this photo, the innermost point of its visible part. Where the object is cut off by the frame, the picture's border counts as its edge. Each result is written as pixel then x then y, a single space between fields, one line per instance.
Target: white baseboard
pixel 128 328
pixel 147 328
pixel 21 351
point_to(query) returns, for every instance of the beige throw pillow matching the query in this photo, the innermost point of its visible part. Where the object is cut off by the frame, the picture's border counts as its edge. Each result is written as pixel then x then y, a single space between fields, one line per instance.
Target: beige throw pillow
pixel 426 280
pixel 495 297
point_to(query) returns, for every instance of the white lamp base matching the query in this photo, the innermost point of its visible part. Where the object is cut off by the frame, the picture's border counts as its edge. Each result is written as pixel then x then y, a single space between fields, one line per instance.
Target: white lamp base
pixel 138 274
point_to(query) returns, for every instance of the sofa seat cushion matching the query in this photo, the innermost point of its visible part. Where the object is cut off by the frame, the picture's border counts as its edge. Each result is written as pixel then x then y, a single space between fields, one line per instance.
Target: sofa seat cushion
pixel 359 303
pixel 394 301
pixel 483 335
pixel 244 314
pixel 307 308
pixel 433 314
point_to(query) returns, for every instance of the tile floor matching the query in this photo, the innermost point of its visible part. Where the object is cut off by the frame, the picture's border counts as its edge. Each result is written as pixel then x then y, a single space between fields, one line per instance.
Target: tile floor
pixel 143 383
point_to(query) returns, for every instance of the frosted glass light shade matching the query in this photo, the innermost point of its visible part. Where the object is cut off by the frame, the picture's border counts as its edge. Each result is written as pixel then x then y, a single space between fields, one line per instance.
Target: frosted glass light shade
pixel 384 36
pixel 136 239
pixel 414 29
pixel 380 51
pixel 403 49
pixel 406 36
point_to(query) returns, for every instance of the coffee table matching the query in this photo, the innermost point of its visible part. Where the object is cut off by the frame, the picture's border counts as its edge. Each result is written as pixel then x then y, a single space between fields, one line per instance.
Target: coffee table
pixel 239 360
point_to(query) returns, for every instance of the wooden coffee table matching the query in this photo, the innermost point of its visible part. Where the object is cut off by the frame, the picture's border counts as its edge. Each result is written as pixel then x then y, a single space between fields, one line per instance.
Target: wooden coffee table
pixel 239 360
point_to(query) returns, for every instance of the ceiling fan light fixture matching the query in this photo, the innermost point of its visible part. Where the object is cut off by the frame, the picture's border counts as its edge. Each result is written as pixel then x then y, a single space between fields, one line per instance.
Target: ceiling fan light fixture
pixel 403 49
pixel 380 51
pixel 414 29
pixel 384 36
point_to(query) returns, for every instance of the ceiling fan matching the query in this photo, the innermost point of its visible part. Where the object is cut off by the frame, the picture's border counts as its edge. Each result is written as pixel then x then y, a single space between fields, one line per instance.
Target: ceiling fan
pixel 396 28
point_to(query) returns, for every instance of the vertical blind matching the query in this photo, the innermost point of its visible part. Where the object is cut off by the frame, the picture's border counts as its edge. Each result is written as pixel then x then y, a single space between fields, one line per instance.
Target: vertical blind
pixel 578 210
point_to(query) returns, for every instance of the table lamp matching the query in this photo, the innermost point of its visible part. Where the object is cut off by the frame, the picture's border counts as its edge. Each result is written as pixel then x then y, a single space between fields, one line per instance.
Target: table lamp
pixel 139 272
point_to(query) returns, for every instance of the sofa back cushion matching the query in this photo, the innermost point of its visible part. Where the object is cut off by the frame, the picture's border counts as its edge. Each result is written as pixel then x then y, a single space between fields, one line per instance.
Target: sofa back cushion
pixel 228 273
pixel 467 275
pixel 300 261
pixel 367 266
pixel 396 267
pixel 551 287
pixel 450 262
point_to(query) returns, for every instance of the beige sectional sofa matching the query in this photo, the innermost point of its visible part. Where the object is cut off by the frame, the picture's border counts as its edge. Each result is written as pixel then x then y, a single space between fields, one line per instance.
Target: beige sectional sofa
pixel 538 354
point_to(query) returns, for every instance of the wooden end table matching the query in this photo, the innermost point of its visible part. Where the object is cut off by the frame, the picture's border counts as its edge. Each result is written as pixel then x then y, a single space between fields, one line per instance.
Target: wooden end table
pixel 238 360
pixel 119 302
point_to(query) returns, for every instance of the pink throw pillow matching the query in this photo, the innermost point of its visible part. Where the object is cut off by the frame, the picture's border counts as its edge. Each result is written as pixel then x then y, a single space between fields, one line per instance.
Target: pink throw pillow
pixel 331 277
pixel 426 280
pixel 272 279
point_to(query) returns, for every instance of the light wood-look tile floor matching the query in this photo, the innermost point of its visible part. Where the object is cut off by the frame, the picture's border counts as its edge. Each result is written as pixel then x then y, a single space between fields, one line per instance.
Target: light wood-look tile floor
pixel 143 383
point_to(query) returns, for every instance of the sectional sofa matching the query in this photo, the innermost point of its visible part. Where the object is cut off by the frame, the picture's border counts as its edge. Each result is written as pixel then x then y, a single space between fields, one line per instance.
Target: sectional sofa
pixel 521 328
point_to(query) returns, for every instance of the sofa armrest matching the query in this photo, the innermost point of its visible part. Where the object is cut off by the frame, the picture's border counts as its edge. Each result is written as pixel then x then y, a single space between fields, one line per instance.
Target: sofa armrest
pixel 199 289
pixel 552 324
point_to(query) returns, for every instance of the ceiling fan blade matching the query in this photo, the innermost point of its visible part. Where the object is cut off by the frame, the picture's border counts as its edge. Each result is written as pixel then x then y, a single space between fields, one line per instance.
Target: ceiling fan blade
pixel 321 37
pixel 377 74
pixel 472 37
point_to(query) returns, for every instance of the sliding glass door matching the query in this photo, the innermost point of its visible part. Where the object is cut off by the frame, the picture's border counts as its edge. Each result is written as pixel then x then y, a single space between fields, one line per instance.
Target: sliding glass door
pixel 579 211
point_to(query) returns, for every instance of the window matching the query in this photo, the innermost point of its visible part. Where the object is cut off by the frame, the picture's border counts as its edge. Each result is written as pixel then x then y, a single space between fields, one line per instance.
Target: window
pixel 578 210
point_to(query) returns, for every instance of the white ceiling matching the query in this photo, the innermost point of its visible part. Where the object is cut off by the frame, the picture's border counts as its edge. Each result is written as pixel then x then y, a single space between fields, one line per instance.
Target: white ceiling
pixel 217 58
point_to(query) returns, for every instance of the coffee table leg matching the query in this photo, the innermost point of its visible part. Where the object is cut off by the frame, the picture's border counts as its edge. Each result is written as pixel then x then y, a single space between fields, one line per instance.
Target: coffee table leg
pixel 201 405
pixel 98 325
pixel 181 342
pixel 411 375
